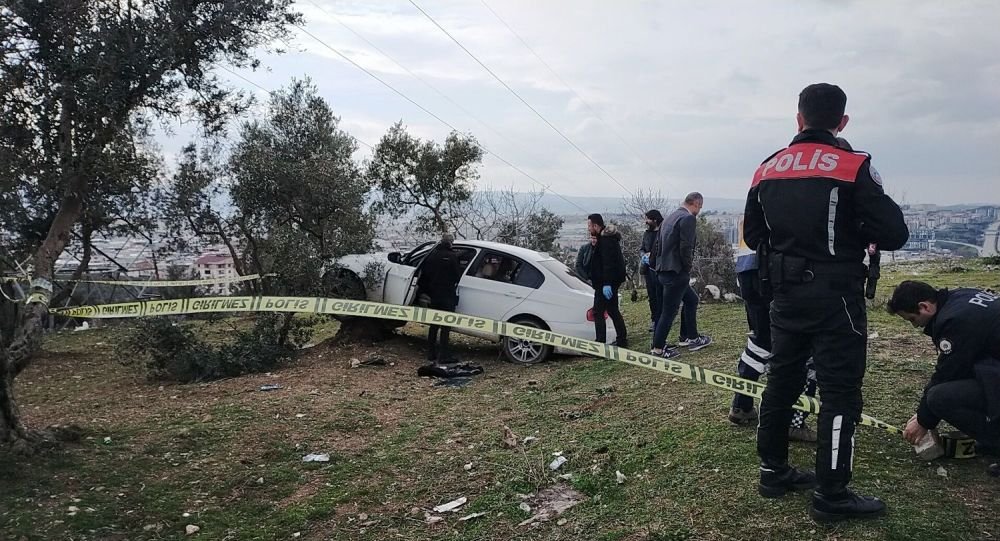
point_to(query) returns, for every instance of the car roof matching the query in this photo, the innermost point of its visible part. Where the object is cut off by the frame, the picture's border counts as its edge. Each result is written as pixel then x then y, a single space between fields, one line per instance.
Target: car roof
pixel 517 251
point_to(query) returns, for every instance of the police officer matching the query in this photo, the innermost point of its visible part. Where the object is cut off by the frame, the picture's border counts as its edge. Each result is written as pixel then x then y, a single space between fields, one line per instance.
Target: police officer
pixel 965 326
pixel 439 276
pixel 810 212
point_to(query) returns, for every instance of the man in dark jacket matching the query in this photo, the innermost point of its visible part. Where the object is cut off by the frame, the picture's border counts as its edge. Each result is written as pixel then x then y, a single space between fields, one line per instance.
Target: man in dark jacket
pixel 647 266
pixel 673 270
pixel 607 273
pixel 439 276
pixel 964 325
pixel 811 211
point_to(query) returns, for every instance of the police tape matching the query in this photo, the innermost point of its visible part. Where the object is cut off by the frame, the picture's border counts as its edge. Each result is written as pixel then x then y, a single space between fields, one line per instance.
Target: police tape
pixel 320 305
pixel 159 283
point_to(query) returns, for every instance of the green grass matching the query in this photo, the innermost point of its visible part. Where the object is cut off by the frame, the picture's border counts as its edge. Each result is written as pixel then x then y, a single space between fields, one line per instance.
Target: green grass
pixel 397 443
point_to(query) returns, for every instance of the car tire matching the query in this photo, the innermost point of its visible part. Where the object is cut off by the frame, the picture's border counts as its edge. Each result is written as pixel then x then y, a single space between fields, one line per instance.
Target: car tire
pixel 520 351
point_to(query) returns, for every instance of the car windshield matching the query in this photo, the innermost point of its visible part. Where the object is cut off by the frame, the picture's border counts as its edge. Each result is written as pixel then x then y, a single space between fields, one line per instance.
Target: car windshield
pixel 565 275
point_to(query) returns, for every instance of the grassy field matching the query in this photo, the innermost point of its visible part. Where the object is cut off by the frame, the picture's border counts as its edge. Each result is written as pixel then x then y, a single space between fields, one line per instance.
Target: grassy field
pixel 227 457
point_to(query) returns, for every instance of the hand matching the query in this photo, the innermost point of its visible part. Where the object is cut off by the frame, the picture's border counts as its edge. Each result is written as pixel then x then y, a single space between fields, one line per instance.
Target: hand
pixel 914 432
pixel 607 292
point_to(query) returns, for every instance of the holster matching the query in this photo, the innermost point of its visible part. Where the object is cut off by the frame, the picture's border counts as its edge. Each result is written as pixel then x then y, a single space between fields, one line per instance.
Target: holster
pixel 789 269
pixel 874 273
pixel 763 270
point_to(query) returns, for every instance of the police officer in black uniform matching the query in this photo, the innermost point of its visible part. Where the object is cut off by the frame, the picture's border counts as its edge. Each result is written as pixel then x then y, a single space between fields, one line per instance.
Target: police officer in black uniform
pixel 811 211
pixel 964 324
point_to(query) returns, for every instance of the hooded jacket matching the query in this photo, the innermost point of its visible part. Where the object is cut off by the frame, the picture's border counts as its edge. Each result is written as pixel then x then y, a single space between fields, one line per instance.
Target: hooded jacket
pixel 607 263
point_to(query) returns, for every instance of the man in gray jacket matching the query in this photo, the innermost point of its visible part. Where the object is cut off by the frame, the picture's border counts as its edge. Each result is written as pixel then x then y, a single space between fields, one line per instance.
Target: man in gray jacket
pixel 673 270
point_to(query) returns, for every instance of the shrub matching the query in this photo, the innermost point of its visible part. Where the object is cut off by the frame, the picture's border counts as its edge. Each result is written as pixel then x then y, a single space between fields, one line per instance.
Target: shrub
pixel 167 350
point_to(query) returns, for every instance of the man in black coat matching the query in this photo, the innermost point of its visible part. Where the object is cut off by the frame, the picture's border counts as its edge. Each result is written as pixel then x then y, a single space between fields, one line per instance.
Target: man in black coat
pixel 439 276
pixel 964 325
pixel 607 273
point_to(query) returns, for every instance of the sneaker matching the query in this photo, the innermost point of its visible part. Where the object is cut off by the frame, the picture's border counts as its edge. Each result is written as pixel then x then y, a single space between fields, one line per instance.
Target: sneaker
pixel 803 433
pixel 702 341
pixel 846 506
pixel 776 481
pixel 670 353
pixel 684 342
pixel 739 416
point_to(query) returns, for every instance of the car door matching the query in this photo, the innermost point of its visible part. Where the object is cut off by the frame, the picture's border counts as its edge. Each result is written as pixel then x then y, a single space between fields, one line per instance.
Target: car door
pixel 495 284
pixel 401 278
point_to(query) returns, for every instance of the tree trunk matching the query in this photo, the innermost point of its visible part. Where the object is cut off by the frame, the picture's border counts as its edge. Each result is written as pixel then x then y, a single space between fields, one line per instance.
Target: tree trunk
pixel 28 335
pixel 88 252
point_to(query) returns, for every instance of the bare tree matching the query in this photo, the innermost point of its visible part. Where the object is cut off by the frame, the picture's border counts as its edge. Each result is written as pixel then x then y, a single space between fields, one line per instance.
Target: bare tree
pixel 645 199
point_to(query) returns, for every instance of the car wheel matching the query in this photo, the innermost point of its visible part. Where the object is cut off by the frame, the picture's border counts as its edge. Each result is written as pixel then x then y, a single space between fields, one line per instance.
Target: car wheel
pixel 520 351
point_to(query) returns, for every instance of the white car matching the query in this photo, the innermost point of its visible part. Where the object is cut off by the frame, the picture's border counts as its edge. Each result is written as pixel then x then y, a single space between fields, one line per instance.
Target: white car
pixel 499 282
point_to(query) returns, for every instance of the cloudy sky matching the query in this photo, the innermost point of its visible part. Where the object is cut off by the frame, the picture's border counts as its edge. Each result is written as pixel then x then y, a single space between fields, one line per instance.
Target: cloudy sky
pixel 674 95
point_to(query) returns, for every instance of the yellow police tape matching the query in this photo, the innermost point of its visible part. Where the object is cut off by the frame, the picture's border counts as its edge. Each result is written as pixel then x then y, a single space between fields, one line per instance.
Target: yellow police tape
pixel 158 283
pixel 317 305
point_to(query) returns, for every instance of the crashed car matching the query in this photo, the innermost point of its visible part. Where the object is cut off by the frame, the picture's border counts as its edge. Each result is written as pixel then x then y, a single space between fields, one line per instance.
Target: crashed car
pixel 499 282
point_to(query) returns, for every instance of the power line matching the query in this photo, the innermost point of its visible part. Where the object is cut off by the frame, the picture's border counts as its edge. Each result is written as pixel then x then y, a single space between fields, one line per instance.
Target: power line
pixel 525 102
pixel 575 93
pixel 470 114
pixel 436 117
pixel 271 92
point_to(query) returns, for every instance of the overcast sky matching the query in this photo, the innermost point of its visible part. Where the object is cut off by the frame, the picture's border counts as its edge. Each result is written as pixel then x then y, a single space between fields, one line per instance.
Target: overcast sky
pixel 679 96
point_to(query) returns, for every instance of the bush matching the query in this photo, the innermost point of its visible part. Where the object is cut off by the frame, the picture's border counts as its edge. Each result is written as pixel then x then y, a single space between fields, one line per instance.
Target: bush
pixel 714 260
pixel 166 350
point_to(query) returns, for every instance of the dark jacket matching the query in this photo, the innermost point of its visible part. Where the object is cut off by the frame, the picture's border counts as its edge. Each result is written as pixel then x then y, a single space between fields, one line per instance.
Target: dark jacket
pixel 583 262
pixel 607 263
pixel 647 246
pixel 677 239
pixel 966 333
pixel 823 203
pixel 439 275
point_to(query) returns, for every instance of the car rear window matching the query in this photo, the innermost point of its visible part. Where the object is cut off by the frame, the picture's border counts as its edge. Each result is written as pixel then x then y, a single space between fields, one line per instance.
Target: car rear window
pixel 565 275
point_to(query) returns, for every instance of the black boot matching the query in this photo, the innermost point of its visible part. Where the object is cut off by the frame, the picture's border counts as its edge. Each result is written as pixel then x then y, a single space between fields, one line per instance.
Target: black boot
pixel 845 505
pixel 775 481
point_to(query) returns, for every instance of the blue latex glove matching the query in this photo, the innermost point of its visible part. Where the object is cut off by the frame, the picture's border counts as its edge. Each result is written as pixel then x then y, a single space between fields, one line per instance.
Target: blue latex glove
pixel 645 259
pixel 607 292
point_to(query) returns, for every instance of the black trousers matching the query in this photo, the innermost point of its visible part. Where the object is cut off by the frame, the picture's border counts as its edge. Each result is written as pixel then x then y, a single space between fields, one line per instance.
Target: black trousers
pixel 437 335
pixel 602 305
pixel 963 404
pixel 654 292
pixel 835 331
pixel 757 353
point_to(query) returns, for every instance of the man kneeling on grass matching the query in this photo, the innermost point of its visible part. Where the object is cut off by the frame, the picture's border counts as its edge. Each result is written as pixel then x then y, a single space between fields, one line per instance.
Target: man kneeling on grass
pixel 964 324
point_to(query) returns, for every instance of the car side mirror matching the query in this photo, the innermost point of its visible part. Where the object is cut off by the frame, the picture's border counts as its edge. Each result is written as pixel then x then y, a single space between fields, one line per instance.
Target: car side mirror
pixel 395 257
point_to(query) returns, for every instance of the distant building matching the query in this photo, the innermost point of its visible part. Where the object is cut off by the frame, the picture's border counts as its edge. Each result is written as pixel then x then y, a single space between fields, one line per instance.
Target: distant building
pixel 215 266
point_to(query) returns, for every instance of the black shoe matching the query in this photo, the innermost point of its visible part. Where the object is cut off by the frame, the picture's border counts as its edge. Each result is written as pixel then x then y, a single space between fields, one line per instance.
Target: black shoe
pixel 845 506
pixel 621 343
pixel 993 470
pixel 775 481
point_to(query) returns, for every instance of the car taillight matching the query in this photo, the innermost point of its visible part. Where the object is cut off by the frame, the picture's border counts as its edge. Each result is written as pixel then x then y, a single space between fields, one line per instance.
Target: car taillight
pixel 590 314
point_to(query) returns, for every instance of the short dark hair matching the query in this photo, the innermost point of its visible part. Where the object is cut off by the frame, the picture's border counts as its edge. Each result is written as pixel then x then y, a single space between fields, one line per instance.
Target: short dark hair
pixel 822 105
pixel 596 219
pixel 655 216
pixel 908 295
pixel 692 197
